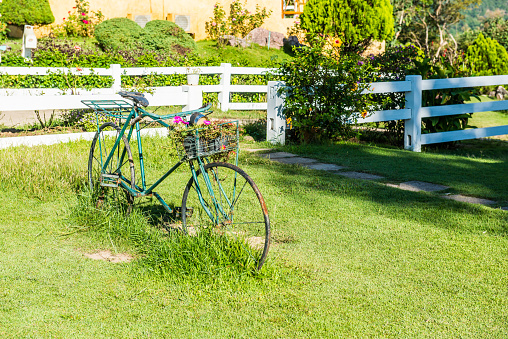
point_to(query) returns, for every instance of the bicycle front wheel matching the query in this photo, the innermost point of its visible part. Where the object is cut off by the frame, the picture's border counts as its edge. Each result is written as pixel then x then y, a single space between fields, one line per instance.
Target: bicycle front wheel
pixel 227 199
pixel 106 178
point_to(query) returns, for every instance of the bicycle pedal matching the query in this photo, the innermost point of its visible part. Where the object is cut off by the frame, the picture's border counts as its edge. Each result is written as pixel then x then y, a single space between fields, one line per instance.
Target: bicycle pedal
pixel 188 212
pixel 110 180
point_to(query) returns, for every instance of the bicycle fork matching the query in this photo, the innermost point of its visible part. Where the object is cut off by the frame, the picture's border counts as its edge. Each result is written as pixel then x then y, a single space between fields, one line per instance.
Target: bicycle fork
pixel 208 186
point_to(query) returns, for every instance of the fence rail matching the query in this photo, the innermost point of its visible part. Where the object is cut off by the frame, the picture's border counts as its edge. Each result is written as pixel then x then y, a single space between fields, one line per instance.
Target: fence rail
pixel 191 97
pixel 188 96
pixel 413 112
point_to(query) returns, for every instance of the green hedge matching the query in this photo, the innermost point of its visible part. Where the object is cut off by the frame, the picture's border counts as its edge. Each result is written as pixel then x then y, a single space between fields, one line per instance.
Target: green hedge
pixel 65 54
pixel 158 35
pixel 26 12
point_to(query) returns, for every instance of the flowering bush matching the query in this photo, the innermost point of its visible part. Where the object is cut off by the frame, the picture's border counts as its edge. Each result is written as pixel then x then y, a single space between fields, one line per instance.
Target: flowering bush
pixel 324 91
pixel 80 21
pixel 239 22
pixel 218 26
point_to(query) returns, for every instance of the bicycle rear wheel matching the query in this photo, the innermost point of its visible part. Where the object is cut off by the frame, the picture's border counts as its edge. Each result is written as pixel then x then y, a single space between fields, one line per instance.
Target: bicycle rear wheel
pixel 232 204
pixel 105 179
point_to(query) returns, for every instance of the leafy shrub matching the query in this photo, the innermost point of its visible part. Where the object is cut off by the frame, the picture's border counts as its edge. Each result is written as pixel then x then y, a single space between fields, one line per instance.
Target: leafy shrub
pixel 487 57
pixel 158 35
pixel 167 36
pixel 442 70
pixel 466 39
pixel 239 22
pixel 119 33
pixel 80 21
pixel 3 30
pixel 26 12
pixel 393 65
pixel 323 93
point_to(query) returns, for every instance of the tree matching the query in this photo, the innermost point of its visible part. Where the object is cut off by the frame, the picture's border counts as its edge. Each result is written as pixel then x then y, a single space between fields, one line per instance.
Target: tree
pixel 429 22
pixel 26 12
pixel 355 22
pixel 487 57
pixel 496 28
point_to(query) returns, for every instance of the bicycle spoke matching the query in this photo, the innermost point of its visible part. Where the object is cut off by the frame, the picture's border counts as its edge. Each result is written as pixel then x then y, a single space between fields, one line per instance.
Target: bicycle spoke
pixel 231 198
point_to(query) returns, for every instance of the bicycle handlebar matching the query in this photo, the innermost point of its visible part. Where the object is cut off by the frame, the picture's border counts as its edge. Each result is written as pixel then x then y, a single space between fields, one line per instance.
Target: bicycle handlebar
pixel 156 117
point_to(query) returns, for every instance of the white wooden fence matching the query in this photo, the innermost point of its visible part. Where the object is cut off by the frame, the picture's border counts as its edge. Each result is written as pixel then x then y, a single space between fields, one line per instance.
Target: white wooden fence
pixel 413 112
pixel 191 97
pixel 188 96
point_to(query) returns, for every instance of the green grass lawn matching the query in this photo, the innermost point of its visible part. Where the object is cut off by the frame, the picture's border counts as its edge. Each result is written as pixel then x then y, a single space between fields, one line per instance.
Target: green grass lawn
pixel 349 258
pixel 489 119
pixel 254 56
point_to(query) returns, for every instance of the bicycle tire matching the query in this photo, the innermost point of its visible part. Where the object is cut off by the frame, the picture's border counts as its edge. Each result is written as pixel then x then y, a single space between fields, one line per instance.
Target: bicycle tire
pixel 102 195
pixel 237 195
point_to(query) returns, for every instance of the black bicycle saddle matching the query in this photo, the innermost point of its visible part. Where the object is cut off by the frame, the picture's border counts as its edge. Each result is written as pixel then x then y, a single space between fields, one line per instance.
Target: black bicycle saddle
pixel 137 97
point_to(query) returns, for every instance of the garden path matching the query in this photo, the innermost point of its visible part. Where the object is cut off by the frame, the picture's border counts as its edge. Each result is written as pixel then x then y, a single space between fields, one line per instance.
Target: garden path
pixel 415 186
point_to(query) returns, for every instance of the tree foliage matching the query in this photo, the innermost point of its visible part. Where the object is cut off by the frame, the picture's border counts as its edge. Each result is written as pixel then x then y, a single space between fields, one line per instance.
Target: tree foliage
pixel 487 9
pixel 497 29
pixel 239 22
pixel 26 12
pixel 487 57
pixel 427 23
pixel 355 22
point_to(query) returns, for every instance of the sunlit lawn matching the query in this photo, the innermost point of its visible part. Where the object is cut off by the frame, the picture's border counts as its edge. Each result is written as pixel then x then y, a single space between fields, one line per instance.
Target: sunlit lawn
pixel 350 258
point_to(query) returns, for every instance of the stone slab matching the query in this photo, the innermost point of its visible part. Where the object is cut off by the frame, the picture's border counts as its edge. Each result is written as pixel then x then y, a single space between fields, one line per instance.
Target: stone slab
pixel 323 167
pixel 471 200
pixel 359 175
pixel 294 160
pixel 505 208
pixel 277 155
pixel 417 186
pixel 392 185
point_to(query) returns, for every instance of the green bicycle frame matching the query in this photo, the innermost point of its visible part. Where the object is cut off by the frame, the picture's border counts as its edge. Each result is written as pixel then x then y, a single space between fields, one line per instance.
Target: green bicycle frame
pixel 132 123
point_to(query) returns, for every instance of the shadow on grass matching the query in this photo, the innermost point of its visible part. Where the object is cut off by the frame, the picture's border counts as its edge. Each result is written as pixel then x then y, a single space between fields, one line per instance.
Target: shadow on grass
pixel 475 168
pixel 300 186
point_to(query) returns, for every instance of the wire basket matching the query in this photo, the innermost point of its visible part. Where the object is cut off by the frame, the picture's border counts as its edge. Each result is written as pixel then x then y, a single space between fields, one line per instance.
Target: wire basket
pixel 208 141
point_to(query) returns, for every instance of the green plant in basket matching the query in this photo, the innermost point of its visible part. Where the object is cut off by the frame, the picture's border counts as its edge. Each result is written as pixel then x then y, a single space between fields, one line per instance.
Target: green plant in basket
pixel 216 140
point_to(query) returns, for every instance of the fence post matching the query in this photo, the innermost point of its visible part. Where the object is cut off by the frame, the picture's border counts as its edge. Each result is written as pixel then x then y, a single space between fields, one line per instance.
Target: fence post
pixel 275 118
pixel 194 97
pixel 116 73
pixel 225 82
pixel 413 126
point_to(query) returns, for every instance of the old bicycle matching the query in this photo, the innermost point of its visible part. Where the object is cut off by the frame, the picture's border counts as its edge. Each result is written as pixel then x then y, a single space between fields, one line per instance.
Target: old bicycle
pixel 218 194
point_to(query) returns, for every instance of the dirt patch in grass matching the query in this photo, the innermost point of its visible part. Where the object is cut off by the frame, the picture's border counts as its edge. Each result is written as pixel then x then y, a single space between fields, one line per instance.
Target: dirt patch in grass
pixel 108 256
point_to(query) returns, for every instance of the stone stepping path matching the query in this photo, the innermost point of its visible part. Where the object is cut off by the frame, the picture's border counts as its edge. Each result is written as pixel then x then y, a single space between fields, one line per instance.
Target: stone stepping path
pixel 418 186
pixel 359 175
pixel 471 200
pixel 323 167
pixel 278 155
pixel 295 160
pixel 414 186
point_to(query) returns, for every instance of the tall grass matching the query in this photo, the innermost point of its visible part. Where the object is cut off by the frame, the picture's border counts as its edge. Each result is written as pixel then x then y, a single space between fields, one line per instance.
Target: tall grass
pixel 165 251
pixel 44 171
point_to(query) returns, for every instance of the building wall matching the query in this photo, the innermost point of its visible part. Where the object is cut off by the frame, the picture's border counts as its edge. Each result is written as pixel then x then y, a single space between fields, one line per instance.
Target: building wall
pixel 200 11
